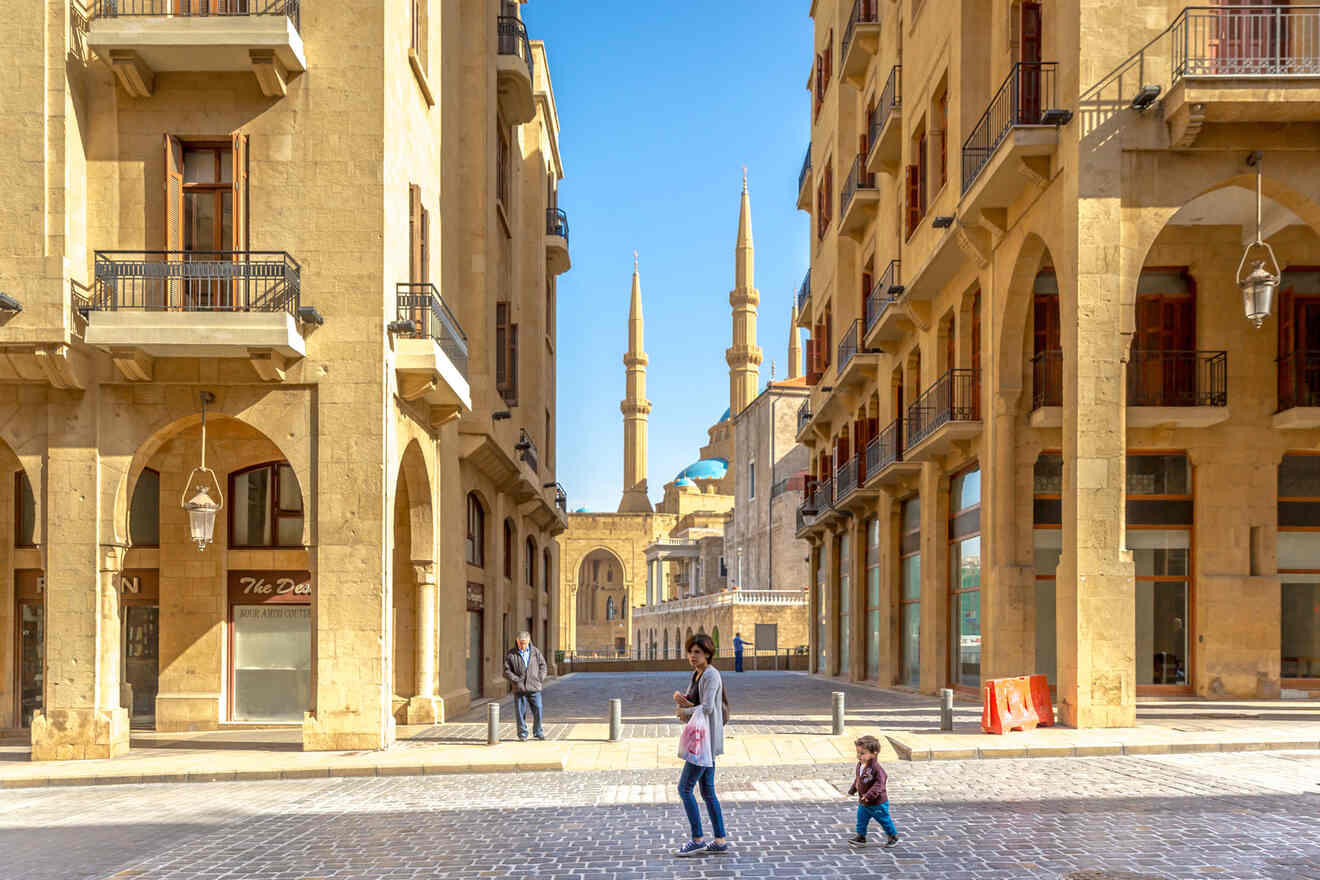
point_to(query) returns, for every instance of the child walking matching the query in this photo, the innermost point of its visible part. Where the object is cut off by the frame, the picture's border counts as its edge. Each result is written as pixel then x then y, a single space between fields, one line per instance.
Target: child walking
pixel 872 798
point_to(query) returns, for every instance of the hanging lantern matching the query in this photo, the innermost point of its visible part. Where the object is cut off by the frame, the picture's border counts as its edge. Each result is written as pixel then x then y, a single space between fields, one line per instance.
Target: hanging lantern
pixel 1259 284
pixel 201 508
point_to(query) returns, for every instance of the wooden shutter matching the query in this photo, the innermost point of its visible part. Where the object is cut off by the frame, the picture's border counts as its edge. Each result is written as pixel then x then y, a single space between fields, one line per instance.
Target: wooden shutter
pixel 513 364
pixel 425 243
pixel 913 199
pixel 173 193
pixel 501 347
pixel 241 235
pixel 867 284
pixel 415 233
pixel 829 336
pixel 811 362
pixel 923 171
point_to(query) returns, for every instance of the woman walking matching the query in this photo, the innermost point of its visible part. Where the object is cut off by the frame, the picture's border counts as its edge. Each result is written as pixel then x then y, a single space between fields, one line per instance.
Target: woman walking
pixel 705 695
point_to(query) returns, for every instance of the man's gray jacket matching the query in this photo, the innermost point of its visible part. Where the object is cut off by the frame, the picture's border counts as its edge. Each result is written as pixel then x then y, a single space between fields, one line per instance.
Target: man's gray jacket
pixel 529 678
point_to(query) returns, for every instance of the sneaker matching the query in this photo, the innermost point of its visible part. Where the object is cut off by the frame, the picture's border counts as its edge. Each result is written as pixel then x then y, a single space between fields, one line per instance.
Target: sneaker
pixel 890 840
pixel 540 736
pixel 857 840
pixel 522 739
pixel 717 849
pixel 691 848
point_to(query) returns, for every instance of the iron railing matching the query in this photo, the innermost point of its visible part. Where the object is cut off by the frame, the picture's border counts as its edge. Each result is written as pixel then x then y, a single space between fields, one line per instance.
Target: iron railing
pixel 863 12
pixel 513 40
pixel 884 449
pixel 884 294
pixel 806 169
pixel 804 292
pixel 848 346
pixel 891 98
pixel 1024 96
pixel 804 415
pixel 845 478
pixel 198 8
pixel 526 449
pixel 858 178
pixel 822 497
pixel 786 485
pixel 561 498
pixel 955 397
pixel 1177 378
pixel 1299 379
pixel 556 223
pixel 422 306
pixel 195 281
pixel 1246 41
pixel 1047 379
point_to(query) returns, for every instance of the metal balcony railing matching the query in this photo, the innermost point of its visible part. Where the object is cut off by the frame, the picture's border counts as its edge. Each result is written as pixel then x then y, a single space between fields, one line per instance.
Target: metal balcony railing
pixel 1047 379
pixel 422 305
pixel 863 12
pixel 884 449
pixel 556 223
pixel 1177 378
pixel 195 8
pixel 1238 41
pixel 806 169
pixel 1299 379
pixel 561 498
pixel 823 496
pixel 891 99
pixel 803 415
pixel 848 346
pixel 955 397
pixel 858 178
pixel 1024 96
pixel 845 479
pixel 884 294
pixel 526 450
pixel 195 281
pixel 513 40
pixel 804 292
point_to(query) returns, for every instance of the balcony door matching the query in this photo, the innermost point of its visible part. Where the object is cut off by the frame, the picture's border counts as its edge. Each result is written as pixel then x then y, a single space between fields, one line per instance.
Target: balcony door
pixel 1250 37
pixel 206 195
pixel 1299 350
pixel 1029 53
pixel 1163 362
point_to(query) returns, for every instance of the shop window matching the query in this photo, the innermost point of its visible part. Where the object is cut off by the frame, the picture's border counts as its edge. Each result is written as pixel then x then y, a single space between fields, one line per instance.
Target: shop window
pixel 1299 568
pixel 475 548
pixel 25 512
pixel 910 595
pixel 965 578
pixel 144 511
pixel 873 603
pixel 843 550
pixel 1160 520
pixel 266 508
pixel 1047 549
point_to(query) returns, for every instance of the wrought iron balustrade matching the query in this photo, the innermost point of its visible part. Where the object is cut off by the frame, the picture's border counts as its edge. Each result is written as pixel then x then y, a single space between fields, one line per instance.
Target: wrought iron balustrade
pixel 513 40
pixel 848 346
pixel 845 478
pixel 195 8
pixel 1177 378
pixel 1047 379
pixel 561 498
pixel 195 281
pixel 955 397
pixel 422 305
pixel 823 496
pixel 891 99
pixel 884 449
pixel 1245 41
pixel 556 223
pixel 863 12
pixel 858 178
pixel 884 294
pixel 806 169
pixel 1023 98
pixel 804 292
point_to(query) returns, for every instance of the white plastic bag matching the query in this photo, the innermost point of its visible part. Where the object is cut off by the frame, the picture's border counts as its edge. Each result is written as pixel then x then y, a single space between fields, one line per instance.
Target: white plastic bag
pixel 694 741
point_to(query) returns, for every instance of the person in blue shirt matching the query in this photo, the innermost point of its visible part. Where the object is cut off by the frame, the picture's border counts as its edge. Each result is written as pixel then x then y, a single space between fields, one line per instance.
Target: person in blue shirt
pixel 525 670
pixel 738 642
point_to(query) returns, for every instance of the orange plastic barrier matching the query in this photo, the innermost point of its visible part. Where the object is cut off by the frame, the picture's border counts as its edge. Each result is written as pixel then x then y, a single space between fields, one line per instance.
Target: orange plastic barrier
pixel 1007 705
pixel 1040 700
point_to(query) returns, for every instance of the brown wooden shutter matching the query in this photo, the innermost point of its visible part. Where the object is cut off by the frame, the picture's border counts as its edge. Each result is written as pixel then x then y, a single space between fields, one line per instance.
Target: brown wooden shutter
pixel 414 233
pixel 501 347
pixel 173 193
pixel 811 362
pixel 425 245
pixel 241 234
pixel 829 337
pixel 513 364
pixel 913 198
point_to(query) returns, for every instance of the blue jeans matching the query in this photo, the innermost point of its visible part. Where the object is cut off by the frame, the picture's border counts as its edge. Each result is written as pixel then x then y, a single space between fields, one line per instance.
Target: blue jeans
pixel 692 774
pixel 520 704
pixel 878 812
pixel 737 661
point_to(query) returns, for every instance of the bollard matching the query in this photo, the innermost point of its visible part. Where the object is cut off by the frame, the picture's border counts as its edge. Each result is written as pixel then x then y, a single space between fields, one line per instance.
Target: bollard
pixel 946 709
pixel 616 720
pixel 838 713
pixel 492 724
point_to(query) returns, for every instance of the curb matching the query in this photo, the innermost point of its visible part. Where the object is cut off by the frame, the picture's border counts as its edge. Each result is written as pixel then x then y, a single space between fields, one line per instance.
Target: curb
pixel 375 770
pixel 907 753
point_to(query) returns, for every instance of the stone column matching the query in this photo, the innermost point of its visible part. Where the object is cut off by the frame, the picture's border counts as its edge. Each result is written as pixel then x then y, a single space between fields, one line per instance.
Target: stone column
pixel 425 707
pixel 111 625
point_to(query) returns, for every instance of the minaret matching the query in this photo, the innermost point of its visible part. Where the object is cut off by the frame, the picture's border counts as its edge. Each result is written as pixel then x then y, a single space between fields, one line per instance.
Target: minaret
pixel 794 347
pixel 744 356
pixel 636 408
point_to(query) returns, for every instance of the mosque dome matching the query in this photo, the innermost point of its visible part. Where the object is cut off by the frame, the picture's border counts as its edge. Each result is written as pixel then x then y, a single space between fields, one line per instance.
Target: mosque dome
pixel 706 469
pixel 684 481
pixel 581 510
pixel 728 414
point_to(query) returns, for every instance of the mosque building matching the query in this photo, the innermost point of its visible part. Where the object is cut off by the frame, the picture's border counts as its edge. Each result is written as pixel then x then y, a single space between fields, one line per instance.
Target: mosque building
pixel 636 582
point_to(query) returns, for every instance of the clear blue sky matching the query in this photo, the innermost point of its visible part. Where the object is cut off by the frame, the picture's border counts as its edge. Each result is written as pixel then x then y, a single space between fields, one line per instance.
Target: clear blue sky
pixel 660 106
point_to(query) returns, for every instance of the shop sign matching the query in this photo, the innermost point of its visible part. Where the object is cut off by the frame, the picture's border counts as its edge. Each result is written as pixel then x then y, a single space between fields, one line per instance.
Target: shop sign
pixel 29 584
pixel 476 597
pixel 140 585
pixel 258 587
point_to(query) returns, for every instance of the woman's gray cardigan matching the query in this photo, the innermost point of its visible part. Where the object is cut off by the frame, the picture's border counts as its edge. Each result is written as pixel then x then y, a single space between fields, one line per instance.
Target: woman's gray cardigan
pixel 711 688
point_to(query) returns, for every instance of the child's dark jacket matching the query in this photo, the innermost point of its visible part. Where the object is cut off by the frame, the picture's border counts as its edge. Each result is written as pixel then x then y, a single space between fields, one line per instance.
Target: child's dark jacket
pixel 869 783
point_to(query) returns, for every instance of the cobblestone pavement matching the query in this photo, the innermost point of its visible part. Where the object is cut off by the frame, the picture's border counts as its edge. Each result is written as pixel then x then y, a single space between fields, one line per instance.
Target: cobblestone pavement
pixel 1241 817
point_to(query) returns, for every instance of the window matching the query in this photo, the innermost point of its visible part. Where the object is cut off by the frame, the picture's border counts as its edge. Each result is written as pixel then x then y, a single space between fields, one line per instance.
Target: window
pixel 1159 529
pixel 419 235
pixel 549 443
pixel 144 511
pixel 843 550
pixel 916 180
pixel 503 169
pixel 25 512
pixel 822 620
pixel 910 597
pixel 506 354
pixel 1162 367
pixel 939 136
pixel 1299 567
pixel 529 564
pixel 476 532
pixel 510 536
pixel 205 214
pixel 266 508
pixel 751 479
pixel 545 573
pixel 825 201
pixel 965 579
pixel 873 605
pixel 609 608
pixel 609 574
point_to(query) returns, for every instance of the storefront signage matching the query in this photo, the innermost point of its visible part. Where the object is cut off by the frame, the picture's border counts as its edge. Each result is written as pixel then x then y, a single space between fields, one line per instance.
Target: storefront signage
pixel 140 586
pixel 476 597
pixel 258 587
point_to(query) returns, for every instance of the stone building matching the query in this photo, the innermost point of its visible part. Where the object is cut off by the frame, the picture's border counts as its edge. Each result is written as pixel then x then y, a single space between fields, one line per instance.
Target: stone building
pixel 1044 437
pixel 323 226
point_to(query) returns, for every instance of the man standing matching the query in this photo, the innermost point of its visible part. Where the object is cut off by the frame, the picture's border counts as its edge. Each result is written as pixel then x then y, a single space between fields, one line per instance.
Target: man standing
pixel 738 643
pixel 525 669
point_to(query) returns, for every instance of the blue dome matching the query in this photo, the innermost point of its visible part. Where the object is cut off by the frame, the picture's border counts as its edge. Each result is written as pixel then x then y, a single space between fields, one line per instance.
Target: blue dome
pixel 581 510
pixel 728 414
pixel 684 481
pixel 706 469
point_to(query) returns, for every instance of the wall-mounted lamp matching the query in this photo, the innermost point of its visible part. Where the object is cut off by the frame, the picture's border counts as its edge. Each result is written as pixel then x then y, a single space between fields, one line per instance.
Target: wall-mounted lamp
pixel 500 415
pixel 9 304
pixel 1056 116
pixel 401 327
pixel 942 222
pixel 309 315
pixel 1145 97
pixel 827 388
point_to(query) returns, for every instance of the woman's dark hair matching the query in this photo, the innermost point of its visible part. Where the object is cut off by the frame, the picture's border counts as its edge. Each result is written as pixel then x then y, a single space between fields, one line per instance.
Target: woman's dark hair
pixel 702 641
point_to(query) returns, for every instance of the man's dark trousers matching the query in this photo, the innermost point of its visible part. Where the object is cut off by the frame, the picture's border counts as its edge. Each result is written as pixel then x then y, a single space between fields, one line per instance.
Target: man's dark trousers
pixel 520 703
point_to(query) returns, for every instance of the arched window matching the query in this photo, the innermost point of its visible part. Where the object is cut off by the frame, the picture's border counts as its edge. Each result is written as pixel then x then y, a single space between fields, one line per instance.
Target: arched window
pixel 545 571
pixel 476 532
pixel 265 508
pixel 529 564
pixel 25 517
pixel 609 608
pixel 144 512
pixel 510 538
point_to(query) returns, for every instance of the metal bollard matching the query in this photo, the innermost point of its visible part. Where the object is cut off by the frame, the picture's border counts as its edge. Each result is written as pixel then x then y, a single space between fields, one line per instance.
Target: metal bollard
pixel 946 709
pixel 616 720
pixel 838 713
pixel 492 724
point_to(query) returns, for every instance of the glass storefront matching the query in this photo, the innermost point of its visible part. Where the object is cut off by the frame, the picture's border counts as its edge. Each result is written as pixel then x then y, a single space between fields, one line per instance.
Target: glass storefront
pixel 845 604
pixel 1162 557
pixel 873 599
pixel 474 642
pixel 1047 550
pixel 29 608
pixel 910 597
pixel 965 579
pixel 271 627
pixel 822 621
pixel 1299 570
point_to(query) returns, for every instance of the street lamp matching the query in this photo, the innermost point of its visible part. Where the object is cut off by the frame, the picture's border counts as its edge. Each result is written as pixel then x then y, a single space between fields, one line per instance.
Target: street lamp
pixel 1258 285
pixel 202 508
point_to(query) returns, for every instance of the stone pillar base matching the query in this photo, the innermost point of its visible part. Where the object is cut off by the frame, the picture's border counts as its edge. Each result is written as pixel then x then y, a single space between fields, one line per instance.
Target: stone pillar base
pixel 342 732
pixel 79 734
pixel 426 710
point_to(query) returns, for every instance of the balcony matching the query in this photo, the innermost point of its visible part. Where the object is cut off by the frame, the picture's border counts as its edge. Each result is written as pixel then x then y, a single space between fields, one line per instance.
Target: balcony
pixel 856 365
pixel 804 300
pixel 845 479
pixel 556 242
pixel 803 416
pixel 885 465
pixel 527 452
pixel 430 353
pixel 885 319
pixel 513 65
pixel 948 412
pixel 1299 390
pixel 1012 142
pixel 804 182
pixel 886 126
pixel 859 200
pixel 140 38
pixel 149 304
pixel 1242 64
pixel 561 499
pixel 1047 389
pixel 1184 389
pixel 861 38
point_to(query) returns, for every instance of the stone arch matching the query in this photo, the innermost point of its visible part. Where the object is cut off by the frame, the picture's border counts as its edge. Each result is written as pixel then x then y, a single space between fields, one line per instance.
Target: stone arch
pixel 1016 313
pixel 25 440
pixel 415 476
pixel 579 578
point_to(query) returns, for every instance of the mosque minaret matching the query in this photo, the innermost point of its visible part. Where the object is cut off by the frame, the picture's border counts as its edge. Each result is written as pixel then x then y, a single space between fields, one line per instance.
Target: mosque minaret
pixel 636 408
pixel 744 356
